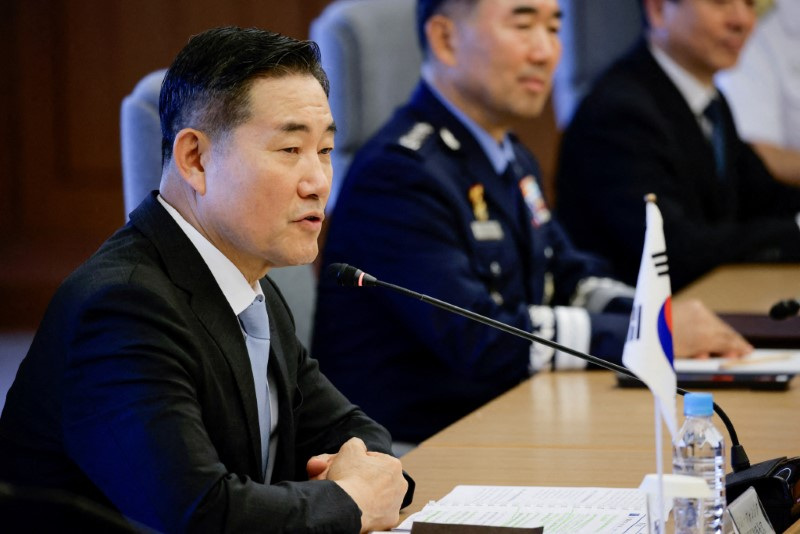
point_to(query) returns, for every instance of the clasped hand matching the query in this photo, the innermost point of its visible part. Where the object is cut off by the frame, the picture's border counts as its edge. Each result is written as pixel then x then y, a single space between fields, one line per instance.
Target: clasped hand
pixel 374 481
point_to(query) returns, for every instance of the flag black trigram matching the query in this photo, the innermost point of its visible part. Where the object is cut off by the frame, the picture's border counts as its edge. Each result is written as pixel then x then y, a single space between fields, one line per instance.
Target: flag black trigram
pixel 660 263
pixel 635 325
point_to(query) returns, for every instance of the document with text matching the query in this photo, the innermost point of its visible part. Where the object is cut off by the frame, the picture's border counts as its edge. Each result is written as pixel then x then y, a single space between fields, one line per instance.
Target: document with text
pixel 557 509
pixel 759 361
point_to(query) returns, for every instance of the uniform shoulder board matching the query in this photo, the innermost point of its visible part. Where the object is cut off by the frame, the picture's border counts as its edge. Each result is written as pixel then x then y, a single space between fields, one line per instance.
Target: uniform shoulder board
pixel 417 135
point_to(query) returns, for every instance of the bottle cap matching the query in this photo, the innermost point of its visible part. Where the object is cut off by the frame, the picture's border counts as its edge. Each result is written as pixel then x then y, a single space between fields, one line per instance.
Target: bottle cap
pixel 701 404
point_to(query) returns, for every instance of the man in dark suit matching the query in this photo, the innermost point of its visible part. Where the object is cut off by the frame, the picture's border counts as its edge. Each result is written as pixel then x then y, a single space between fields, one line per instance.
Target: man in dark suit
pixel 142 390
pixel 446 201
pixel 655 123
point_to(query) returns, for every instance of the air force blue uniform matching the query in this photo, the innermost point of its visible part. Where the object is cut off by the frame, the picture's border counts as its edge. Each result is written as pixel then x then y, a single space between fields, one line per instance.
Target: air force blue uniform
pixel 423 207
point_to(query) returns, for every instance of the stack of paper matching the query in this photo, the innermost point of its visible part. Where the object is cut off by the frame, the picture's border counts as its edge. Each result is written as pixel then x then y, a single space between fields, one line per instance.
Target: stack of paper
pixel 558 510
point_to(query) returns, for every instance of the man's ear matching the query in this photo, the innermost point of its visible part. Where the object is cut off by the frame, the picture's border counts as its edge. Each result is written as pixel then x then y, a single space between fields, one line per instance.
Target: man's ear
pixel 188 149
pixel 442 36
pixel 654 11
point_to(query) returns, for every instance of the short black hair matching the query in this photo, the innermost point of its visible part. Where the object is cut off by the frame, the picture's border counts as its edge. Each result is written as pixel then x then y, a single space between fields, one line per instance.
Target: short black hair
pixel 207 86
pixel 428 8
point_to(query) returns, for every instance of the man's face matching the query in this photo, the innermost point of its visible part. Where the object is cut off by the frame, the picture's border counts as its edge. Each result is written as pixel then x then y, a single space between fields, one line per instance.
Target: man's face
pixel 506 53
pixel 704 36
pixel 267 181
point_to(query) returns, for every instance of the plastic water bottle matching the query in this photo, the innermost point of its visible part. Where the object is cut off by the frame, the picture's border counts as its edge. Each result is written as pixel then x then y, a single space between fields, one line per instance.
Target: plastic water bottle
pixel 700 451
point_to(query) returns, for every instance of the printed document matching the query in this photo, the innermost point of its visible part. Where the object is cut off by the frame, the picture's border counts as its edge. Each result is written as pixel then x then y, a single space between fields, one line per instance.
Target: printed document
pixel 558 510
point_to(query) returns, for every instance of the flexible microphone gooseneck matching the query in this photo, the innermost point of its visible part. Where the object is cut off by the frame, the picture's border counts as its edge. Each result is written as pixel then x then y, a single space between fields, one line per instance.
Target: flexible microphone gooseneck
pixel 349 276
pixel 784 309
pixel 776 481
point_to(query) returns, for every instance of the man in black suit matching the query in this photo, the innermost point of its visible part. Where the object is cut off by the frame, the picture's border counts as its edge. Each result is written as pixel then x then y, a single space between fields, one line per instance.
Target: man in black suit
pixel 141 389
pixel 655 123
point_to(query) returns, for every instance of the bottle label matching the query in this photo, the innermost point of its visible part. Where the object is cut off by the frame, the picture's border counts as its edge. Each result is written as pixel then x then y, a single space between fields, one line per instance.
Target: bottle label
pixel 748 514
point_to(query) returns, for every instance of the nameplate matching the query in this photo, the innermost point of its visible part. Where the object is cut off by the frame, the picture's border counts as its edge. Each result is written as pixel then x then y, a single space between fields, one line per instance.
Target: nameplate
pixel 748 514
pixel 487 230
pixel 441 528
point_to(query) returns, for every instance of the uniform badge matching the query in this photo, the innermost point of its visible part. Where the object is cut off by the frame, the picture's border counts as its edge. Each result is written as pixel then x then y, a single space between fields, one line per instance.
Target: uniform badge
pixel 479 207
pixel 540 213
pixel 449 139
pixel 414 138
pixel 483 229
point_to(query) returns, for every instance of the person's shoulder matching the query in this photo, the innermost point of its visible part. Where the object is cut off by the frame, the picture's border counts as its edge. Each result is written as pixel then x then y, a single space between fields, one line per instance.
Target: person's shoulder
pixel 125 259
pixel 631 71
pixel 406 136
pixel 626 90
pixel 409 145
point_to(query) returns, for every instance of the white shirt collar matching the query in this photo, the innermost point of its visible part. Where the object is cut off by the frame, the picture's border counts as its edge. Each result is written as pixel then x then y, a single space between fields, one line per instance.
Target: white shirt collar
pixel 696 94
pixel 230 279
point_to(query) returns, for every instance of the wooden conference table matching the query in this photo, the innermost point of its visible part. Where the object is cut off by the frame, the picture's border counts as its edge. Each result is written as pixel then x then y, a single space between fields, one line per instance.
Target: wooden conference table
pixel 580 429
pixel 746 288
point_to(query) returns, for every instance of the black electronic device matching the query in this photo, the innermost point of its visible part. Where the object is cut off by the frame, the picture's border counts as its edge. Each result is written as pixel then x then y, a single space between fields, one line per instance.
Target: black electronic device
pixel 784 309
pixel 777 482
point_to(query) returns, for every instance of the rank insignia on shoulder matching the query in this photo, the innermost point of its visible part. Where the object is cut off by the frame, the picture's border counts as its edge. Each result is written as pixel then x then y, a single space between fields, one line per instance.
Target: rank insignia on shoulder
pixel 414 138
pixel 449 139
pixel 479 207
pixel 540 213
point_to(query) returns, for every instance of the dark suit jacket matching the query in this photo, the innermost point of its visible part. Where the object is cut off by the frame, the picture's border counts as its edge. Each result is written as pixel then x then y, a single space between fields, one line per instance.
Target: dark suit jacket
pixel 635 134
pixel 404 214
pixel 138 391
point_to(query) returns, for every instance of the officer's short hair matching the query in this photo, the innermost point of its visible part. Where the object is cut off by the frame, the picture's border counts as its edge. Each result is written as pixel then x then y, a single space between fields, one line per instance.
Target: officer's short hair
pixel 426 9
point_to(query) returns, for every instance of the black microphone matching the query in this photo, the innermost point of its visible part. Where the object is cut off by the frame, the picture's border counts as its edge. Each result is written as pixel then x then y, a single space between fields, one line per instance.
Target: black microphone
pixel 770 478
pixel 784 309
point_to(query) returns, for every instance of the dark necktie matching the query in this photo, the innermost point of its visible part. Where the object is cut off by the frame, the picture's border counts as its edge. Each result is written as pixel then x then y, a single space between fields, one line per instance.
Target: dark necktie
pixel 255 324
pixel 513 175
pixel 713 113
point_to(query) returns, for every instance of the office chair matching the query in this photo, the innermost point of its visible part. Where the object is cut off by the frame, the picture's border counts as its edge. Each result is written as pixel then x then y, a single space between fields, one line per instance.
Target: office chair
pixel 140 130
pixel 594 34
pixel 371 54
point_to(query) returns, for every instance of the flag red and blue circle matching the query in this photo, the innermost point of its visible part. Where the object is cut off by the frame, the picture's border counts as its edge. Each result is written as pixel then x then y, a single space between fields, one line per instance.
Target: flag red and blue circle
pixel 665 328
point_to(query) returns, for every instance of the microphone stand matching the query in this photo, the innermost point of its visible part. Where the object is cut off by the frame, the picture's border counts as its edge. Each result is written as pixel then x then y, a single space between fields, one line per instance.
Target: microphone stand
pixel 773 486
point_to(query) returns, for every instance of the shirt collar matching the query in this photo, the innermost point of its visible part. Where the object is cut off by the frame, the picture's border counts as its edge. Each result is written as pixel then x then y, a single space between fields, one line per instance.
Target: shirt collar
pixel 500 155
pixel 695 93
pixel 230 279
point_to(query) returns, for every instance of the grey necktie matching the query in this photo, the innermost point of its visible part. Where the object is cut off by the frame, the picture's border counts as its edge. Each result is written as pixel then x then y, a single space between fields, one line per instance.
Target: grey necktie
pixel 255 323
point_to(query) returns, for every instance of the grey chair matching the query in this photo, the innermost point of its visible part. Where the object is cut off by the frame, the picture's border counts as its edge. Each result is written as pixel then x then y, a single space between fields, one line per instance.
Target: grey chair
pixel 140 131
pixel 594 34
pixel 371 54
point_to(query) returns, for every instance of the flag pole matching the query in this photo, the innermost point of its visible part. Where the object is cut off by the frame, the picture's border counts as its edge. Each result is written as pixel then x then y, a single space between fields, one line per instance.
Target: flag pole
pixel 659 466
pixel 648 350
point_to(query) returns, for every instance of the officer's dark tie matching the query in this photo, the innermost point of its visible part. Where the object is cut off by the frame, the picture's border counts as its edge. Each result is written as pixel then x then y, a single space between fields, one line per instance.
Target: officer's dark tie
pixel 713 113
pixel 512 175
pixel 255 324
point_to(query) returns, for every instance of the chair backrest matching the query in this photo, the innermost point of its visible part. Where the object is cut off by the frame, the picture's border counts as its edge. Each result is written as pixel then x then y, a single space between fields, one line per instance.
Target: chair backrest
pixel 371 54
pixel 594 34
pixel 140 129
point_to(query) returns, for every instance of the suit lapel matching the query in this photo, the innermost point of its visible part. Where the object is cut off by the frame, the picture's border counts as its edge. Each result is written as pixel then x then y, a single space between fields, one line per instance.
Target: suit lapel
pixel 693 147
pixel 186 268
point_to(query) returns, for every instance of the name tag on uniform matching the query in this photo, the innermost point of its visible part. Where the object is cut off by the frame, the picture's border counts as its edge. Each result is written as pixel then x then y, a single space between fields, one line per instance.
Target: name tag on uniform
pixel 487 230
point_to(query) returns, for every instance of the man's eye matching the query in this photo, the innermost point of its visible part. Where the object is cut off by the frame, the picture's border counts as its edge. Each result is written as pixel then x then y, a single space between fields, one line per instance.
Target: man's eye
pixel 326 150
pixel 291 150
